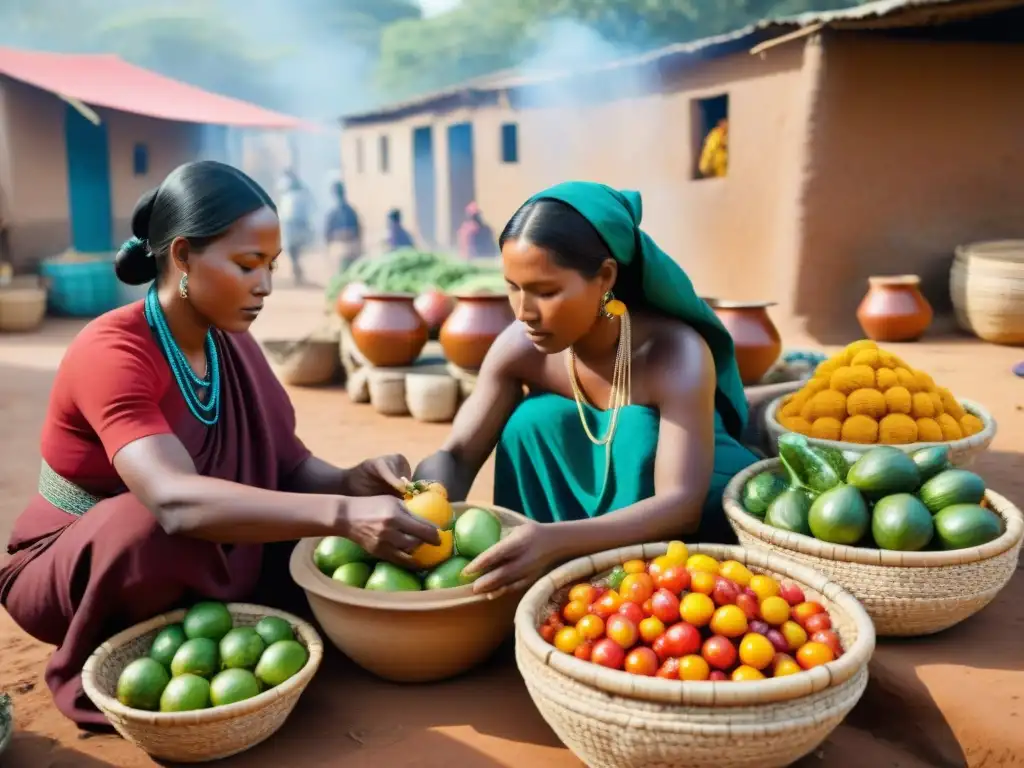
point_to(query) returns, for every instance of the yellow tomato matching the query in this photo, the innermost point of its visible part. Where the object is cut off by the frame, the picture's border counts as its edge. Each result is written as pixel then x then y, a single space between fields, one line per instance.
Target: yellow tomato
pixel 697 609
pixel 693 668
pixel 756 651
pixel 677 553
pixel 775 610
pixel 702 563
pixel 702 582
pixel 590 627
pixel 764 586
pixel 651 629
pixel 744 672
pixel 634 566
pixel 785 665
pixel 813 655
pixel 568 639
pixel 735 571
pixel 794 634
pixel 729 621
pixel 574 611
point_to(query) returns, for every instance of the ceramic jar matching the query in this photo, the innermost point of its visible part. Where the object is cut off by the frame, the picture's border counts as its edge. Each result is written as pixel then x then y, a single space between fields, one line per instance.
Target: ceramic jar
pixel 754 335
pixel 434 307
pixel 473 326
pixel 350 301
pixel 388 331
pixel 894 309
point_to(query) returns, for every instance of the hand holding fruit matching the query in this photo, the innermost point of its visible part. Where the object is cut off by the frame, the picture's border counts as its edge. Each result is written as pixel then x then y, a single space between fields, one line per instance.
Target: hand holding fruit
pixel 386 530
pixel 378 476
pixel 515 561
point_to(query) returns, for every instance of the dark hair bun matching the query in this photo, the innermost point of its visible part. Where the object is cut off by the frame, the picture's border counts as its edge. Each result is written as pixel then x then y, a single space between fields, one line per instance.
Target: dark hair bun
pixel 134 264
pixel 142 214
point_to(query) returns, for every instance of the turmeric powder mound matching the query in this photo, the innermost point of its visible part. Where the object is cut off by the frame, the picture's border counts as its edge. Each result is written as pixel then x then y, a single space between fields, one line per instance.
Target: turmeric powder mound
pixel 970 424
pixel 897 400
pixel 897 429
pixel 929 431
pixel 866 402
pixel 921 406
pixel 850 378
pixel 906 380
pixel 936 399
pixel 794 404
pixel 816 385
pixel 827 428
pixel 950 427
pixel 889 360
pixel 831 365
pixel 885 378
pixel 953 408
pixel 925 383
pixel 825 404
pixel 796 424
pixel 868 357
pixel 860 429
pixel 856 347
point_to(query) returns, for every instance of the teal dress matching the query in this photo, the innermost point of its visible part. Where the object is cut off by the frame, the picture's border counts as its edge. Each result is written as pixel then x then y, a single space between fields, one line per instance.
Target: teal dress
pixel 549 470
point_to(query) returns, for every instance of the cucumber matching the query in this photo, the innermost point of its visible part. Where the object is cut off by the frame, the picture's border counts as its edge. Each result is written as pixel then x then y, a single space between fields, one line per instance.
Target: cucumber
pixel 931 461
pixel 839 516
pixel 760 491
pixel 902 523
pixel 806 468
pixel 789 511
pixel 883 471
pixel 954 486
pixel 966 525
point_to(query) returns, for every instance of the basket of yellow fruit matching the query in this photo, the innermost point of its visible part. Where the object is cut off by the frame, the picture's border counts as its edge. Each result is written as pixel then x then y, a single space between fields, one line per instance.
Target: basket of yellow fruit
pixel 865 396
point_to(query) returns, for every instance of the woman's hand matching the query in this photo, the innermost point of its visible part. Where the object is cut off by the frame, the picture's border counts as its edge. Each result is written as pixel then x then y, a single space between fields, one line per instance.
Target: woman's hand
pixel 379 476
pixel 386 529
pixel 516 561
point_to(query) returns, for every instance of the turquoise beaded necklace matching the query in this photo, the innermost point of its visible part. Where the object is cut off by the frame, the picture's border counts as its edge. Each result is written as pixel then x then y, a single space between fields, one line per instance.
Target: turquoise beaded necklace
pixel 189 383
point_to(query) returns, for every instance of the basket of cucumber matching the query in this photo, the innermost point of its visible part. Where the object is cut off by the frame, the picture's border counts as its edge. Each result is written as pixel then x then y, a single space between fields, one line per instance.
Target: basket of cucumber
pixel 921 543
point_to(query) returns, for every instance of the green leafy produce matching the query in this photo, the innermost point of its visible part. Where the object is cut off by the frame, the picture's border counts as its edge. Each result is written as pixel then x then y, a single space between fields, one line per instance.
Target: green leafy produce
pixel 807 469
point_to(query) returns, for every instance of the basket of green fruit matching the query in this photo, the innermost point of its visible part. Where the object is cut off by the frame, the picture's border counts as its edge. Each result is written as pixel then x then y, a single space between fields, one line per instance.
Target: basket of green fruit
pixel 924 545
pixel 412 625
pixel 205 683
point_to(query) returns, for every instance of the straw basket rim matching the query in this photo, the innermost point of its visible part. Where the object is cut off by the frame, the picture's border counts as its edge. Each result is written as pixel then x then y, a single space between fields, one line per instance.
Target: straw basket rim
pixel 973 443
pixel 675 692
pixel 305 573
pixel 109 704
pixel 808 545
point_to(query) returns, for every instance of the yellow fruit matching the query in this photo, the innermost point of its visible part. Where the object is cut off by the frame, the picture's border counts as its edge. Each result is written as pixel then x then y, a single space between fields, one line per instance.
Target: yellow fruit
pixel 775 610
pixel 795 635
pixel 860 429
pixel 567 640
pixel 677 553
pixel 785 665
pixel 735 571
pixel 764 587
pixel 432 507
pixel 744 672
pixel 697 609
pixel 429 555
pixel 729 621
pixel 693 667
pixel 756 651
pixel 827 428
pixel 704 563
pixel 634 566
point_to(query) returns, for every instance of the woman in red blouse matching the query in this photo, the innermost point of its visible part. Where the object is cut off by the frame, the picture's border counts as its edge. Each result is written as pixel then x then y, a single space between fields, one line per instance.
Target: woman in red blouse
pixel 169 454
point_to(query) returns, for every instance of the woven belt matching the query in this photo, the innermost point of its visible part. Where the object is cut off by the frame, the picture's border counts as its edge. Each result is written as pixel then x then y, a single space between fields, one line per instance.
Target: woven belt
pixel 64 494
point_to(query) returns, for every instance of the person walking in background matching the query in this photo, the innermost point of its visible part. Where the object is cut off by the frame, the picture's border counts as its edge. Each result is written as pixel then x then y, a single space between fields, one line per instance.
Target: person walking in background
pixel 398 236
pixel 342 231
pixel 714 157
pixel 475 237
pixel 295 209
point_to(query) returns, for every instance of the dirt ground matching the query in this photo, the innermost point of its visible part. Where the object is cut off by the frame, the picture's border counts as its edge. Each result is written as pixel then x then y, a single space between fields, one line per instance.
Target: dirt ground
pixel 347 717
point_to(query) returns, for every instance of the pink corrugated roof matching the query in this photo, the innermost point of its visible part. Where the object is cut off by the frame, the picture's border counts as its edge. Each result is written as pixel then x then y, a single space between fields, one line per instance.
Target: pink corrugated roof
pixel 104 80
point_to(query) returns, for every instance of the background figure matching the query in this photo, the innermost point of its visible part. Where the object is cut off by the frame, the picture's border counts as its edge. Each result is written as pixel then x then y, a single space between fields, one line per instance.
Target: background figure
pixel 714 156
pixel 295 211
pixel 398 237
pixel 342 230
pixel 476 239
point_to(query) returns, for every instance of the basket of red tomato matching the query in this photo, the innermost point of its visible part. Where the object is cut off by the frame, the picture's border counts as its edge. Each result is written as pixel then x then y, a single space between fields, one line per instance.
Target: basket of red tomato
pixel 705 657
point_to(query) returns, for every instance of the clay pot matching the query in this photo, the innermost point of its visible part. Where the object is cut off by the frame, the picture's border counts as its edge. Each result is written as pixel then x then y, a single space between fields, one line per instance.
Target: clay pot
pixel 434 307
pixel 894 309
pixel 473 326
pixel 389 331
pixel 350 300
pixel 757 341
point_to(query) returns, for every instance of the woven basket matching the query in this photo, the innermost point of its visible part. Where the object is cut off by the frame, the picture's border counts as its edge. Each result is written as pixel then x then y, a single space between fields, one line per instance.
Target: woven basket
pixel 308 362
pixel 22 309
pixel 962 453
pixel 387 391
pixel 432 397
pixel 986 284
pixel 202 735
pixel 612 719
pixel 907 594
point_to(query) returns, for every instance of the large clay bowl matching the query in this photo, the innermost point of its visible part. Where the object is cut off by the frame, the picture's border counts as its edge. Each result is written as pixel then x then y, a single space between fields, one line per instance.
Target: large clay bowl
pixel 409 637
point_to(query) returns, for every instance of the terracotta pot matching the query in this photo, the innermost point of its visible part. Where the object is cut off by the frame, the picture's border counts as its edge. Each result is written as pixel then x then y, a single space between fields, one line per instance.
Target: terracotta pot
pixel 894 309
pixel 434 307
pixel 389 331
pixel 473 326
pixel 350 300
pixel 754 335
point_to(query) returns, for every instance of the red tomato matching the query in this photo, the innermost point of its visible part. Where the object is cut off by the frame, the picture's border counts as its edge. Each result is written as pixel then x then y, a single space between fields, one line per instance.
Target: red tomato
pixel 606 604
pixel 752 593
pixel 725 592
pixel 682 639
pixel 648 607
pixel 660 647
pixel 584 650
pixel 608 653
pixel 791 593
pixel 631 611
pixel 719 652
pixel 748 605
pixel 665 605
pixel 802 612
pixel 669 670
pixel 717 675
pixel 675 578
pixel 642 661
pixel 831 639
pixel 817 622
pixel 637 587
pixel 621 630
pixel 651 629
pixel 548 633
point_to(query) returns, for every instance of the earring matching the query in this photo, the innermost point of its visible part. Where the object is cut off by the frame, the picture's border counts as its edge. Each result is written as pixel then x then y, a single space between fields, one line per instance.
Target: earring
pixel 183 286
pixel 612 307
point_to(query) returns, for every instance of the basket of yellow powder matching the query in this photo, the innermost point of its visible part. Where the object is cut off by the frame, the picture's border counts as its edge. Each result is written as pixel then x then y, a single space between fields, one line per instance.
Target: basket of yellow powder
pixel 866 396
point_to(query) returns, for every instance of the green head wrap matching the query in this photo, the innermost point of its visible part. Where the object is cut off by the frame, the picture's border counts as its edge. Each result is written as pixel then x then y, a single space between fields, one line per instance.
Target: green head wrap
pixel 616 216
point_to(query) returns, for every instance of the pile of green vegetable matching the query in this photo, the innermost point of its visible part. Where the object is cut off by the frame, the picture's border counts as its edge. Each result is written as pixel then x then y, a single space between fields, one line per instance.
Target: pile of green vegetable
pixel 887 499
pixel 408 270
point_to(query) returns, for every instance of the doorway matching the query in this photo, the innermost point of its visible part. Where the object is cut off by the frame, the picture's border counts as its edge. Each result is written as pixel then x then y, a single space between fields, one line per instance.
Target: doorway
pixel 461 183
pixel 424 180
pixel 89 199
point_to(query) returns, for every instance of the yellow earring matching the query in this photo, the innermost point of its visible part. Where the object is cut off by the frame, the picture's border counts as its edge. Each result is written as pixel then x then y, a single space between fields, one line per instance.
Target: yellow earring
pixel 612 307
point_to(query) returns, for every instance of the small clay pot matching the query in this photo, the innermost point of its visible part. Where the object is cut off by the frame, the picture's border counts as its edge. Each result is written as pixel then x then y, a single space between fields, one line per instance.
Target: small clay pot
pixel 389 331
pixel 754 335
pixel 350 300
pixel 434 307
pixel 894 309
pixel 472 327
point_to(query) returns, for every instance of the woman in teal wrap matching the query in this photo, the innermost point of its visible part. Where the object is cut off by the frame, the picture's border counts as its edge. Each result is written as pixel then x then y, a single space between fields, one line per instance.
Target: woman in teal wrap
pixel 633 402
